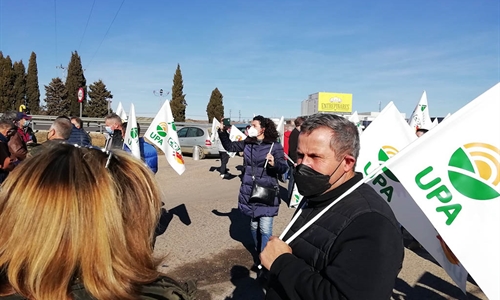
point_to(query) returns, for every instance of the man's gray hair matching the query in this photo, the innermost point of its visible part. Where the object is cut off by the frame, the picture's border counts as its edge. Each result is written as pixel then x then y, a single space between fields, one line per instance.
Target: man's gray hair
pixel 115 118
pixel 62 127
pixel 345 136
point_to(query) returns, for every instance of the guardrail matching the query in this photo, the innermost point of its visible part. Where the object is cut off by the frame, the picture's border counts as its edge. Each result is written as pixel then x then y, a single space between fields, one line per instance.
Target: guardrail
pixel 90 124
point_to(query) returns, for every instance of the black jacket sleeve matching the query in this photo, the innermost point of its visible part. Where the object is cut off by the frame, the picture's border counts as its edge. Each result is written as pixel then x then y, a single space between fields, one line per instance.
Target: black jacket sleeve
pixel 293 141
pixel 365 261
pixel 228 144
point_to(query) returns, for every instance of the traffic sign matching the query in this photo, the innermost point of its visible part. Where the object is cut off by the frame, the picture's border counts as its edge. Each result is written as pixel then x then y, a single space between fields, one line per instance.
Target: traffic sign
pixel 80 95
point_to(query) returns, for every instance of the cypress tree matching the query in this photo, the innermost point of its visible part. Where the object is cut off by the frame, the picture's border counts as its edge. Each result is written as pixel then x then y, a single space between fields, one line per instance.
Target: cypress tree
pixel 32 87
pixel 55 98
pixel 7 78
pixel 215 107
pixel 178 102
pixel 74 81
pixel 99 96
pixel 19 90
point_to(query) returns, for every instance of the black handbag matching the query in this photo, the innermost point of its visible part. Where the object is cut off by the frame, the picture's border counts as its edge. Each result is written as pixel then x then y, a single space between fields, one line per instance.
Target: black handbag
pixel 261 194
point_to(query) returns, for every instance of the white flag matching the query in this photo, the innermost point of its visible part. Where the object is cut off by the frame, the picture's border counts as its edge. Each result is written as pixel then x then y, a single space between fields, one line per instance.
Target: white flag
pixel 121 112
pixel 446 117
pixel 384 138
pixel 453 173
pixel 435 122
pixel 235 136
pixel 281 130
pixel 420 117
pixel 215 126
pixel 163 133
pixel 355 119
pixel 132 134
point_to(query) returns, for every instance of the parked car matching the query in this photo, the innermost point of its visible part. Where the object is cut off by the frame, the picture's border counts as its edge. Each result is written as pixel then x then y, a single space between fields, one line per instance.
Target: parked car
pixel 192 135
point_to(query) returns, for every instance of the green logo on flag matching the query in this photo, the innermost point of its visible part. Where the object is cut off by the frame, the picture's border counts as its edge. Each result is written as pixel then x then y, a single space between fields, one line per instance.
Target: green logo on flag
pixel 161 129
pixel 475 171
pixel 134 133
pixel 384 154
pixel 423 107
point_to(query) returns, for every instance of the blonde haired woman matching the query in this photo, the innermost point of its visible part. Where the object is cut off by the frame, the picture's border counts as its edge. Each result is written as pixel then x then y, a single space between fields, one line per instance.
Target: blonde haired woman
pixel 80 227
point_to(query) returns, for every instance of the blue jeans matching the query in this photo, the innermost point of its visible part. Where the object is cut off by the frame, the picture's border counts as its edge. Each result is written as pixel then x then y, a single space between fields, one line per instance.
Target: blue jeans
pixel 265 225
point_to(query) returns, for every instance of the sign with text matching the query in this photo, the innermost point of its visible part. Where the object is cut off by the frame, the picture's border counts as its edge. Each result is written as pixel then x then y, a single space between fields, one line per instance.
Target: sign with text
pixel 334 102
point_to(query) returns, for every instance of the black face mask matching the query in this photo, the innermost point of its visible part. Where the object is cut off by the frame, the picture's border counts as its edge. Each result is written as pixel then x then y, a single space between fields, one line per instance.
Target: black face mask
pixel 310 182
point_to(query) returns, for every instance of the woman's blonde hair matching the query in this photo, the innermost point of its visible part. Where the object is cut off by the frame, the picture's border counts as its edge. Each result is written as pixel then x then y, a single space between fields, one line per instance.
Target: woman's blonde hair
pixel 65 217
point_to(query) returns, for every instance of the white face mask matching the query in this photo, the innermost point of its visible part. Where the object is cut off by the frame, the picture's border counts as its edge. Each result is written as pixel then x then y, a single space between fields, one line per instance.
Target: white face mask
pixel 252 132
pixel 108 130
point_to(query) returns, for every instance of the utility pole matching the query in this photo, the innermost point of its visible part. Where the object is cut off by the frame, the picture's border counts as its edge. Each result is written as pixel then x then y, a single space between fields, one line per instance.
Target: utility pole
pixel 239 115
pixel 229 113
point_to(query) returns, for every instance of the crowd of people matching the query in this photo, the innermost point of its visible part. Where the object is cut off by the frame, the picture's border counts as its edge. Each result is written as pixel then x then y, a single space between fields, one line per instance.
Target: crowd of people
pixel 77 229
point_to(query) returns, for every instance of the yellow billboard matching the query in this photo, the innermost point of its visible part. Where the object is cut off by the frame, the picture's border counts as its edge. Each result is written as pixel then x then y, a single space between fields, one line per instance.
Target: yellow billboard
pixel 334 102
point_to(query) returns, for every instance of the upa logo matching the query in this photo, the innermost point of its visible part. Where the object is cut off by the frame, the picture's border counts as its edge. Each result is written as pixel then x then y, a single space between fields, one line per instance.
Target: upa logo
pixel 134 132
pixel 384 154
pixel 423 107
pixel 474 171
pixel 161 133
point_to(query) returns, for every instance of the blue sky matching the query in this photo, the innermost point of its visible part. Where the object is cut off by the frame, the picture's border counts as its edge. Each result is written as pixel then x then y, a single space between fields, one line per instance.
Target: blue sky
pixel 265 56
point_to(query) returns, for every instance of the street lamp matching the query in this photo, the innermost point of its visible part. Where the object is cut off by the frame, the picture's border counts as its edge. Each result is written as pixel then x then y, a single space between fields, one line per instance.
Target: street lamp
pixel 160 94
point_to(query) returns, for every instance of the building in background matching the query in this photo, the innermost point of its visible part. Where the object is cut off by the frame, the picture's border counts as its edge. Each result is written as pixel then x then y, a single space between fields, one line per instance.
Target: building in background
pixel 323 102
pixel 335 103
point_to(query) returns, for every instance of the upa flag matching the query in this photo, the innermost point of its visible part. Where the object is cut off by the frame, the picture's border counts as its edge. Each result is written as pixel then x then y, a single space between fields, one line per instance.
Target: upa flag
pixel 453 173
pixel 215 125
pixel 121 112
pixel 355 119
pixel 163 134
pixel 132 134
pixel 420 118
pixel 235 136
pixel 383 139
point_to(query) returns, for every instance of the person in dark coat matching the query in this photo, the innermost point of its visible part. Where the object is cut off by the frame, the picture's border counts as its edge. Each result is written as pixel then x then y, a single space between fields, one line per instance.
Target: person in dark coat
pixel 264 161
pixel 78 134
pixel 355 249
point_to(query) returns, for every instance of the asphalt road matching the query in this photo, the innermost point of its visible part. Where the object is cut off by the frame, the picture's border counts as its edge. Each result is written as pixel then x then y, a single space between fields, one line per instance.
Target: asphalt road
pixel 206 239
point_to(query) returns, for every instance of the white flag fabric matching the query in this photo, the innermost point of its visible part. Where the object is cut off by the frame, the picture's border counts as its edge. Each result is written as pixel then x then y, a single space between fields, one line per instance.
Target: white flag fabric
pixel 420 118
pixel 215 126
pixel 296 197
pixel 355 119
pixel 281 130
pixel 121 112
pixel 435 122
pixel 453 173
pixel 163 133
pixel 383 139
pixel 235 136
pixel 446 117
pixel 132 134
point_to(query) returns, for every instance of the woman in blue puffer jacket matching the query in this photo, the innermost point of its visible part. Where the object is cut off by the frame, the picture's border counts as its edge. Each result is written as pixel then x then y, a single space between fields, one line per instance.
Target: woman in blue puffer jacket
pixel 260 146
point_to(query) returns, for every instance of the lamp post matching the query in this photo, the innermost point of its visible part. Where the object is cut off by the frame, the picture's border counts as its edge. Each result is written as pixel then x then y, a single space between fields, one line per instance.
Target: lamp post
pixel 160 94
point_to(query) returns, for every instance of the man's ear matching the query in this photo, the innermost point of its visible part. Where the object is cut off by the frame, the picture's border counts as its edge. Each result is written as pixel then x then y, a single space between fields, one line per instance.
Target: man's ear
pixel 349 163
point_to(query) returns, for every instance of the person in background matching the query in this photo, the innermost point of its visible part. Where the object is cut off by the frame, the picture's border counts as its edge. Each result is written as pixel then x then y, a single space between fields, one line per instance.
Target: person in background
pixel 292 153
pixel 78 135
pixel 7 129
pixel 114 131
pixel 264 162
pixel 17 146
pixel 91 238
pixel 148 152
pixel 224 157
pixel 286 137
pixel 353 251
pixel 421 131
pixel 23 125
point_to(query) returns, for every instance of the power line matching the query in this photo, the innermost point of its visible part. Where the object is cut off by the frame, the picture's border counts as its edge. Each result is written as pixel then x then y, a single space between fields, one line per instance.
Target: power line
pixel 105 34
pixel 86 25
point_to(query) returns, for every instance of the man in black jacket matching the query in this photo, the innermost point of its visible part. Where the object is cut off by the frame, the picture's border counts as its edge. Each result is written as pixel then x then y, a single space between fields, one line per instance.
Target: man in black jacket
pixel 353 251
